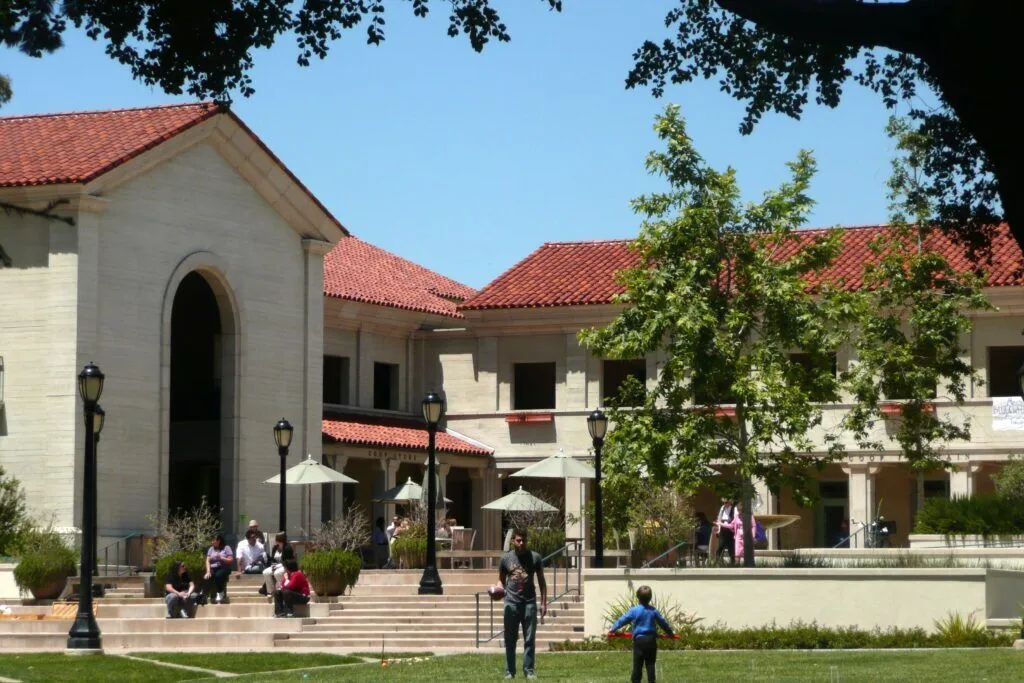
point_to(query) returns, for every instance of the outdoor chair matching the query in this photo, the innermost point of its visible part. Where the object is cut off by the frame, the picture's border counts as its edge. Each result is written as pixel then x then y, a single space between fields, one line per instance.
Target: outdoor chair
pixel 462 539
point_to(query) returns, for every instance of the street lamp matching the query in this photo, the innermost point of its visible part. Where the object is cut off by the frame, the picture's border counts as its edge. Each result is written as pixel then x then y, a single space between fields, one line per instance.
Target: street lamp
pixel 283 437
pixel 597 425
pixel 85 632
pixel 99 417
pixel 433 411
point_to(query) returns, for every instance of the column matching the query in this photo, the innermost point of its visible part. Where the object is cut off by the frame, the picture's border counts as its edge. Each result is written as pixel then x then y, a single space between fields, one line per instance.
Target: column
pixel 337 496
pixel 961 480
pixel 769 506
pixel 486 487
pixel 386 480
pixel 442 475
pixel 309 437
pixel 573 394
pixel 862 499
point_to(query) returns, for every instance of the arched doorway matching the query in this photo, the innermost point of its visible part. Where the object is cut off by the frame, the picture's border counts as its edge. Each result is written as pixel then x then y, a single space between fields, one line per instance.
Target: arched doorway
pixel 201 397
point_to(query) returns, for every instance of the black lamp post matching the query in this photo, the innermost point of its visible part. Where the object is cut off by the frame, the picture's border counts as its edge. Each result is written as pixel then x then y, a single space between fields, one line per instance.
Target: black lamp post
pixel 597 424
pixel 99 417
pixel 283 437
pixel 85 632
pixel 433 411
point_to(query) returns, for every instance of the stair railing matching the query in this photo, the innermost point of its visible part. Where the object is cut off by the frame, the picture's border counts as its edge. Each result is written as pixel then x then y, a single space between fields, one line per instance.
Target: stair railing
pixel 119 549
pixel 650 562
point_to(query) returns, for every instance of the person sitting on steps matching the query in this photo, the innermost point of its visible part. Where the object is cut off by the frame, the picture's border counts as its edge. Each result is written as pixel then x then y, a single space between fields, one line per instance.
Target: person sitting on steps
pixel 219 559
pixel 180 592
pixel 281 553
pixel 294 590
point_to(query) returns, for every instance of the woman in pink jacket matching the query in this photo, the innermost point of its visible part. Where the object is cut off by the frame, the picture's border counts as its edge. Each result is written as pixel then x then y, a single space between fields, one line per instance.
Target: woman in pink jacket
pixel 736 524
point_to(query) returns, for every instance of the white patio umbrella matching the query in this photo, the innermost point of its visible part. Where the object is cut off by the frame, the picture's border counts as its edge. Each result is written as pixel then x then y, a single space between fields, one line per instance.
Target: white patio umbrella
pixel 310 472
pixel 558 466
pixel 520 501
pixel 406 493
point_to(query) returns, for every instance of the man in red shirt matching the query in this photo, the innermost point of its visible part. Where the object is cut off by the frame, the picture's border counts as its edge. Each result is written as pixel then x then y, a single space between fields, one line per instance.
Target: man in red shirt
pixel 294 590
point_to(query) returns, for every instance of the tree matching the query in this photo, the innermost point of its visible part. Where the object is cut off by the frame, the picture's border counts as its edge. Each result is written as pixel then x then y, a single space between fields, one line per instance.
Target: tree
pixel 911 318
pixel 14 519
pixel 205 48
pixel 723 292
pixel 777 54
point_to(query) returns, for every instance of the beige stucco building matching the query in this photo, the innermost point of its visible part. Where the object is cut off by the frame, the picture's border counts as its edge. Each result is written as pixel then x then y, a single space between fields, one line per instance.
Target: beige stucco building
pixel 173 249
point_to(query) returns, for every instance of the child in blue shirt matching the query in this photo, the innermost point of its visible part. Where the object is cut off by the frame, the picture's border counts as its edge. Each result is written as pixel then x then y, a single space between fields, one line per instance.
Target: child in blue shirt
pixel 645 620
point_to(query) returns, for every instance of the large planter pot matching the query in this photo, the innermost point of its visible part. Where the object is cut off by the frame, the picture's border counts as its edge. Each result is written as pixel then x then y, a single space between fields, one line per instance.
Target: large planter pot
pixel 331 587
pixel 50 589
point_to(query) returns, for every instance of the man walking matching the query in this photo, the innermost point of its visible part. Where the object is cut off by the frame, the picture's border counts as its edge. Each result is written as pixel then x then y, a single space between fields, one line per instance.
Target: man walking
pixel 516 573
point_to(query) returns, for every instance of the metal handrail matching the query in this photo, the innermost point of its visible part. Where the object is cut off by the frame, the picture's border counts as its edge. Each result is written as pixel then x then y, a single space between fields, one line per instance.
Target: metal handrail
pixel 553 595
pixel 648 563
pixel 128 566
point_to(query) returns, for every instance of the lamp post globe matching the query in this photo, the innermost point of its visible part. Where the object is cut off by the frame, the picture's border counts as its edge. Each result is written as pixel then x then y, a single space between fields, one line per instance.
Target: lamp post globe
pixel 85 632
pixel 433 413
pixel 283 432
pixel 597 425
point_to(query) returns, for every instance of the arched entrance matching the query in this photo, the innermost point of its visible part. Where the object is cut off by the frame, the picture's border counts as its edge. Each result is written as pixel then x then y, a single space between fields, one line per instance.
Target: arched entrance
pixel 200 395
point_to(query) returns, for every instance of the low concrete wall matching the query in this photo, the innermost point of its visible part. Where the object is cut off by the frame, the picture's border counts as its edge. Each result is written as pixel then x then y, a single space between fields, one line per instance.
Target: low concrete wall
pixel 966 541
pixel 970 557
pixel 8 589
pixel 832 597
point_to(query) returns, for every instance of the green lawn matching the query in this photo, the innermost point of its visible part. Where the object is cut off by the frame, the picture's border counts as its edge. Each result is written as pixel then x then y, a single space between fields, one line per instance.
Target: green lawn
pixel 1001 664
pixel 249 662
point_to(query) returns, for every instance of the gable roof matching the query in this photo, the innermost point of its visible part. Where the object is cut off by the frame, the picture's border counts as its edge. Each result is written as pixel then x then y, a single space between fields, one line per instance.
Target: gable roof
pixel 79 147
pixel 583 273
pixel 359 271
pixel 383 432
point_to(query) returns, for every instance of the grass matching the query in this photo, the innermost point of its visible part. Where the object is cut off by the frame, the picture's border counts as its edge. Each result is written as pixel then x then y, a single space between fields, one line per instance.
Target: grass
pixel 1002 664
pixel 391 655
pixel 249 662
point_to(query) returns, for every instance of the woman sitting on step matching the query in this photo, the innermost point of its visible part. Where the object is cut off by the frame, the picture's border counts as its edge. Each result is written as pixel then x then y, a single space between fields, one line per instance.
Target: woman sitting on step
pixel 180 592
pixel 294 590
pixel 281 553
pixel 219 559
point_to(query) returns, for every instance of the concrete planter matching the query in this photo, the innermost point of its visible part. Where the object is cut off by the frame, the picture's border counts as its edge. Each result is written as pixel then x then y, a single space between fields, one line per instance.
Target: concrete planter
pixel 8 588
pixel 866 598
pixel 965 541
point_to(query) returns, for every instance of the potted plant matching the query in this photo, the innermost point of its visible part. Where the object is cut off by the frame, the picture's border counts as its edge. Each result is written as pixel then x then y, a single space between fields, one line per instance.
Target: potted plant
pixel 330 572
pixel 44 565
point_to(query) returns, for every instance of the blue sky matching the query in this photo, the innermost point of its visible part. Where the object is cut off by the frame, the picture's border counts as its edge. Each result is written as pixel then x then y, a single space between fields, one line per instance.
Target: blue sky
pixel 466 162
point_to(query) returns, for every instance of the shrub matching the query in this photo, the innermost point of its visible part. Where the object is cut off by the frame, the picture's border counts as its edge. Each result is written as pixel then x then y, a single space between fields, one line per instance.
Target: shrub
pixel 985 515
pixel 673 612
pixel 546 541
pixel 1010 481
pixel 195 562
pixel 14 519
pixel 409 551
pixel 44 557
pixel 349 532
pixel 322 567
pixel 189 530
pixel 801 636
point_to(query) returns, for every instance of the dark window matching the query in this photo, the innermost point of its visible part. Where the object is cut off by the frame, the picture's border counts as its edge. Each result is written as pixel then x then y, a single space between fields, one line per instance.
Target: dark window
pixel 385 386
pixel 936 488
pixel 615 373
pixel 533 386
pixel 834 489
pixel 806 362
pixel 1003 364
pixel 336 380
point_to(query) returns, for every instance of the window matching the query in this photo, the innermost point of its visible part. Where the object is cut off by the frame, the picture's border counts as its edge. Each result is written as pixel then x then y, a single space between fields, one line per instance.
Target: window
pixel 614 375
pixel 1003 364
pixel 336 380
pixel 936 488
pixel 805 361
pixel 533 386
pixel 385 386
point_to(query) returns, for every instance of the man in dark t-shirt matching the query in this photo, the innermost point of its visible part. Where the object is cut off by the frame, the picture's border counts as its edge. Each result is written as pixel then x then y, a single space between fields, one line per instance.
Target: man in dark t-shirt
pixel 516 572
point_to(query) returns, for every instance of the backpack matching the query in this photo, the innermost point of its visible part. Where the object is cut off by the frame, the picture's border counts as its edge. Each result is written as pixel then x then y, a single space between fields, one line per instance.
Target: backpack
pixel 760 535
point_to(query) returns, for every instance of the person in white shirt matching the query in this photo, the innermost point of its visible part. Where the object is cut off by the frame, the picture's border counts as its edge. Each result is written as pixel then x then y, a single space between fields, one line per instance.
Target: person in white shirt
pixel 251 555
pixel 392 528
pixel 726 536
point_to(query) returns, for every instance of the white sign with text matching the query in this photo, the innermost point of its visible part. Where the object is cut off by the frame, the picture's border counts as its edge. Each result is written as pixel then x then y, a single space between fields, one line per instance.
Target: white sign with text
pixel 1007 414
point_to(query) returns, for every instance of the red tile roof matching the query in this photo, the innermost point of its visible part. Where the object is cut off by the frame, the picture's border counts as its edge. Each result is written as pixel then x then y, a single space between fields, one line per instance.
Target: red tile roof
pixel 80 146
pixel 382 432
pixel 583 273
pixel 559 274
pixel 358 271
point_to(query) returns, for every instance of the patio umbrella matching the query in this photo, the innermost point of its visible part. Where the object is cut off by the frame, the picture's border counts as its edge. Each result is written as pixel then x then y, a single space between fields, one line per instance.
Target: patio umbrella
pixel 558 466
pixel 520 501
pixel 310 472
pixel 406 493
